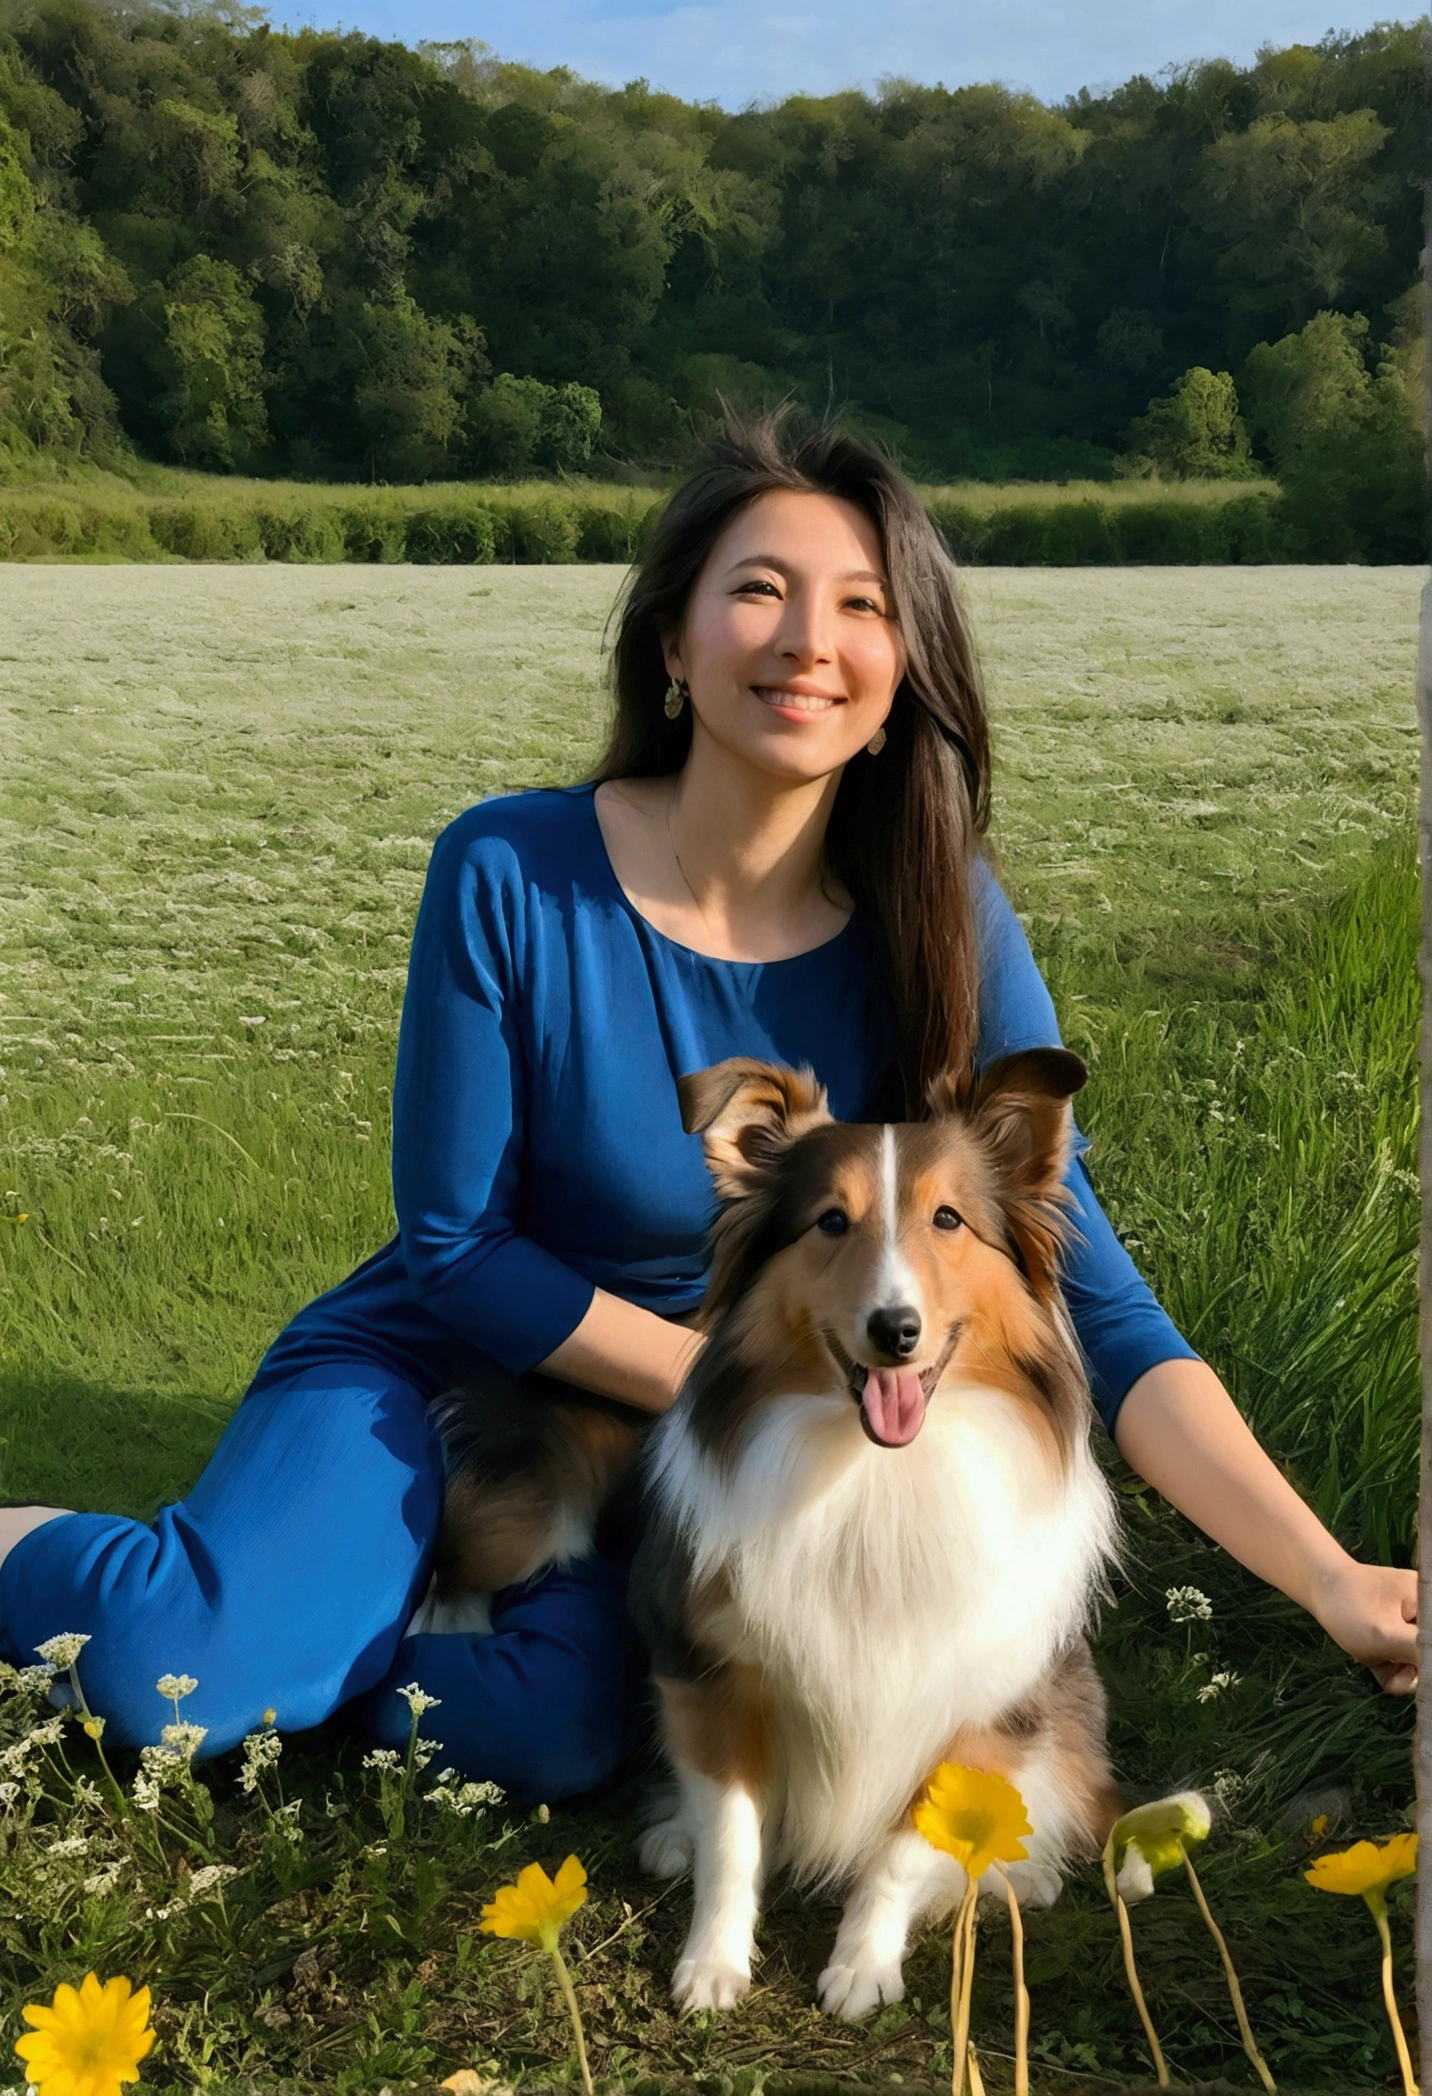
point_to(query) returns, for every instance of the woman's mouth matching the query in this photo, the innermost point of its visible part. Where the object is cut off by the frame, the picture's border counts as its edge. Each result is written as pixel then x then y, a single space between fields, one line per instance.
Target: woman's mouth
pixel 796 705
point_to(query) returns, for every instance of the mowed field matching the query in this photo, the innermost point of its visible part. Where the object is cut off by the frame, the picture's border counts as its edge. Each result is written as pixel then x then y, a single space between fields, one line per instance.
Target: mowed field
pixel 219 790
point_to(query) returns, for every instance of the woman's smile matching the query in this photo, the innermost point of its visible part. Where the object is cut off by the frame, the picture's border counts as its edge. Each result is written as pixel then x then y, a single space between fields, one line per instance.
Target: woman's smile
pixel 797 701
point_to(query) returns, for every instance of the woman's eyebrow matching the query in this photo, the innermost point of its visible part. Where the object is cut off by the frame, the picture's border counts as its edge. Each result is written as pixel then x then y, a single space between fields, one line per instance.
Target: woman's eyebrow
pixel 771 560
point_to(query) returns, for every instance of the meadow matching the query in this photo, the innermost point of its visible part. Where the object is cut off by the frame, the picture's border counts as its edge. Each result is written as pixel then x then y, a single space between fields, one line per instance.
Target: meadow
pixel 220 788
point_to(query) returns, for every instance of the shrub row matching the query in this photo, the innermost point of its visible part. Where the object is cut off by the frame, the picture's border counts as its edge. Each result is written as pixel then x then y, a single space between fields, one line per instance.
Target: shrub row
pixel 457 525
pixel 432 526
pixel 1088 533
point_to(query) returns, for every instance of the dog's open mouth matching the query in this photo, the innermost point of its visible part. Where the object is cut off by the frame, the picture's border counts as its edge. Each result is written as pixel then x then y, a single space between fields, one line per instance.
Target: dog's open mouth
pixel 892 1401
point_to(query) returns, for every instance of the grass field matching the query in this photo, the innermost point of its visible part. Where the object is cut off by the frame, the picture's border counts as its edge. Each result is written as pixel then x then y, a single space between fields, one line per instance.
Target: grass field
pixel 220 788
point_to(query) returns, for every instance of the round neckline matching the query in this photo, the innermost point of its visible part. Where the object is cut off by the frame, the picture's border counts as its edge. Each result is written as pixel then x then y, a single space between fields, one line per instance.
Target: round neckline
pixel 712 960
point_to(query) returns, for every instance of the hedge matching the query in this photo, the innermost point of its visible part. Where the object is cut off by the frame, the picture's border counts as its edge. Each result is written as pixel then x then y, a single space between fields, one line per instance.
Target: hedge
pixel 533 524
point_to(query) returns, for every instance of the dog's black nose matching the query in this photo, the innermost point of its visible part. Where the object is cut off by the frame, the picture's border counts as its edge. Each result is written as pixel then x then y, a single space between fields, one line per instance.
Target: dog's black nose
pixel 894 1330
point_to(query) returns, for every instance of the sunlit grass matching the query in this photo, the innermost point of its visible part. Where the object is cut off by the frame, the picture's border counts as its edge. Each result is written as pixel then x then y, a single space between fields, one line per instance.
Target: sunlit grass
pixel 219 790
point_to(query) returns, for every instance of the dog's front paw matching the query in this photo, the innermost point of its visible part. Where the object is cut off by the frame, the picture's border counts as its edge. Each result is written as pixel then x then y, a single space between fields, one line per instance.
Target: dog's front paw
pixel 709 1983
pixel 665 1850
pixel 853 1990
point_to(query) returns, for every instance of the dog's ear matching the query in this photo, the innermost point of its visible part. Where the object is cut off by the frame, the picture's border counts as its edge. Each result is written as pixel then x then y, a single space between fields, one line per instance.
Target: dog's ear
pixel 1019 1110
pixel 746 1113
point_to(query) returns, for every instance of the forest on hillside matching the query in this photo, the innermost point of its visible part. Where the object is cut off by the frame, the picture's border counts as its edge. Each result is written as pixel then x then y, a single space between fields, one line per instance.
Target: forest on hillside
pixel 324 256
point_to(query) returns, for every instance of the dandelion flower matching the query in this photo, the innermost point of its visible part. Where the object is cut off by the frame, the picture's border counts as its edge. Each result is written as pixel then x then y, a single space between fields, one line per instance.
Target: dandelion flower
pixel 533 1910
pixel 1368 1871
pixel 536 1906
pixel 980 1820
pixel 89 2040
pixel 977 1818
pixel 1143 1845
pixel 62 1651
pixel 1365 1868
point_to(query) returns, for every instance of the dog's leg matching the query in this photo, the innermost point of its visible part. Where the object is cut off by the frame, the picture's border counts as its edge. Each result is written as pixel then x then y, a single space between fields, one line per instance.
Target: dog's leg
pixel 906 1880
pixel 724 1818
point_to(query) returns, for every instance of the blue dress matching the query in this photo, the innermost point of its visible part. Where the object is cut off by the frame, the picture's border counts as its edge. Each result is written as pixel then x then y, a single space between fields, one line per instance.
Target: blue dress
pixel 538 1155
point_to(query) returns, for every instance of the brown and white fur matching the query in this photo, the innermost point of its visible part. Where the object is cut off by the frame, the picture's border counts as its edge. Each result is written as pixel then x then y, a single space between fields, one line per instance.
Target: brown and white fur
pixel 875 1524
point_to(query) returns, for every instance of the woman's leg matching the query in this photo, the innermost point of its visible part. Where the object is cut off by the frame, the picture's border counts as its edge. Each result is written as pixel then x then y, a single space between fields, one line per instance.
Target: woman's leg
pixel 548 1705
pixel 283 1581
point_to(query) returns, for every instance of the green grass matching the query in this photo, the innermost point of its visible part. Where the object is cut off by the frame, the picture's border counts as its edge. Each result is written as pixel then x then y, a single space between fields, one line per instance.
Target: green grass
pixel 220 788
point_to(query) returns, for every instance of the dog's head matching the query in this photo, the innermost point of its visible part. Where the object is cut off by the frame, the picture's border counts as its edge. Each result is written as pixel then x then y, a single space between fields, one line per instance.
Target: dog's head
pixel 894 1252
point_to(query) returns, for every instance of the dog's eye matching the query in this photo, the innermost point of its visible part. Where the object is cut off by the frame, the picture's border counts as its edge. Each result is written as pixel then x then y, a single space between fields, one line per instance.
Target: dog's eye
pixel 835 1222
pixel 948 1219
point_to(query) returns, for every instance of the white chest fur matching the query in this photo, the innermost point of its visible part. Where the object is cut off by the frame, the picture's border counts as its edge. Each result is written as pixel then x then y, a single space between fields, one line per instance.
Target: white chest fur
pixel 890 1596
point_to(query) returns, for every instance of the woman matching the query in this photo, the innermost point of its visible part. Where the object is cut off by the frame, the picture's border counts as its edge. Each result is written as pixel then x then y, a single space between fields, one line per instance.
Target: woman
pixel 780 858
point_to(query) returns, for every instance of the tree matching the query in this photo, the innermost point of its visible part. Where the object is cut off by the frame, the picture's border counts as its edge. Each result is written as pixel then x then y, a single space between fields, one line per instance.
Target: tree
pixel 1307 383
pixel 214 405
pixel 1193 433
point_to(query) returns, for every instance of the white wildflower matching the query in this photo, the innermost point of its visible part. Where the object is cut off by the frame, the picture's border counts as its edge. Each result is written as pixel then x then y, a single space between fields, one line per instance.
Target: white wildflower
pixel 1188 1605
pixel 1216 1684
pixel 418 1700
pixel 8 1794
pixel 183 1741
pixel 461 1799
pixel 286 1822
pixel 383 1759
pixel 64 1650
pixel 1228 1787
pixel 146 1792
pixel 176 1686
pixel 261 1751
pixel 71 1845
pixel 208 1876
pixel 424 1750
pixel 104 1881
pixel 87 1796
pixel 34 1681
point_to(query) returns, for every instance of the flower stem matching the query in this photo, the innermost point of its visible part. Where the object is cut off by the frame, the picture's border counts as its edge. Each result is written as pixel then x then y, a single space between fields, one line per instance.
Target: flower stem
pixel 1021 1993
pixel 962 1979
pixel 1260 2065
pixel 564 1981
pixel 1131 1971
pixel 1377 1907
pixel 87 1717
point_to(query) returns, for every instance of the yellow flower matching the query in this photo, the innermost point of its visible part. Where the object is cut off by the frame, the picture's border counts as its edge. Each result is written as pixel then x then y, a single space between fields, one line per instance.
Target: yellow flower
pixel 1365 1868
pixel 974 1817
pixel 536 1906
pixel 1156 1838
pixel 88 2041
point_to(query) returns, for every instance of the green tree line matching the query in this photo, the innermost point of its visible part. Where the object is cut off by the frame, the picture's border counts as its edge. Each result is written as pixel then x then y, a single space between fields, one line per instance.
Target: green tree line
pixel 321 255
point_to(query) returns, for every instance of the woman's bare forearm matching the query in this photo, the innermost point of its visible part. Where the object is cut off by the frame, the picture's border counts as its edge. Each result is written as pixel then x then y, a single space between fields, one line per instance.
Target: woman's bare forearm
pixel 1180 1429
pixel 626 1353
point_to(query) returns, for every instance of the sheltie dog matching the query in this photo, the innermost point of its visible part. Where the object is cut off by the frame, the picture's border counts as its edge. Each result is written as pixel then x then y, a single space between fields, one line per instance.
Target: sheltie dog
pixel 874 1526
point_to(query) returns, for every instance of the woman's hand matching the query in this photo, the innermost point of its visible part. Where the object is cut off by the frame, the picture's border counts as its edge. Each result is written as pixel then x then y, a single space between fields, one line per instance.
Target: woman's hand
pixel 1180 1429
pixel 1371 1611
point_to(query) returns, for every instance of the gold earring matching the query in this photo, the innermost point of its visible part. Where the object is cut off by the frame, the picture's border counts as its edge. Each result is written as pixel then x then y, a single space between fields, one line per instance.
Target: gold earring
pixel 677 693
pixel 876 743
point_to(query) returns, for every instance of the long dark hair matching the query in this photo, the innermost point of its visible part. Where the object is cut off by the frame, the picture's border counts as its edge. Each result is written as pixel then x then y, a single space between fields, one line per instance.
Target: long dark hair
pixel 905 824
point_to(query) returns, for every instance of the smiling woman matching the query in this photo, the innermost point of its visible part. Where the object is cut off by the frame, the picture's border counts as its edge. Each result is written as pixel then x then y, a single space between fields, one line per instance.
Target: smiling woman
pixel 752 873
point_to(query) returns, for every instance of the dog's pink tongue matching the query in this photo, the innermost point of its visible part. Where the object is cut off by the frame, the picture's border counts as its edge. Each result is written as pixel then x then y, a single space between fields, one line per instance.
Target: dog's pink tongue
pixel 894 1403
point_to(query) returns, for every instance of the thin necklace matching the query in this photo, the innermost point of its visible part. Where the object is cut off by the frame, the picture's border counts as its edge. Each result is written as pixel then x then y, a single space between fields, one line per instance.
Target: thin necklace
pixel 679 867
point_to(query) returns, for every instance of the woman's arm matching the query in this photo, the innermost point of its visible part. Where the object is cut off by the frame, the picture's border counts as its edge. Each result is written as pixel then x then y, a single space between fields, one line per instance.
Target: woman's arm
pixel 1179 1428
pixel 630 1354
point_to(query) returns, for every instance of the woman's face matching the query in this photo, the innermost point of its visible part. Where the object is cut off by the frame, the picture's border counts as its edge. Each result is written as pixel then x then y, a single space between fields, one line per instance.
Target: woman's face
pixel 788 645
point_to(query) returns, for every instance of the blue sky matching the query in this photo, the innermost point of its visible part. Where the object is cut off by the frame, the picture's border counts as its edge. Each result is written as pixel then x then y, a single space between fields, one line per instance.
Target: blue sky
pixel 740 51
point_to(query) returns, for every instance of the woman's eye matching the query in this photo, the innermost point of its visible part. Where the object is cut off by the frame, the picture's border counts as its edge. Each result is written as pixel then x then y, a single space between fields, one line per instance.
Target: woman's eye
pixel 835 1222
pixel 948 1219
pixel 765 588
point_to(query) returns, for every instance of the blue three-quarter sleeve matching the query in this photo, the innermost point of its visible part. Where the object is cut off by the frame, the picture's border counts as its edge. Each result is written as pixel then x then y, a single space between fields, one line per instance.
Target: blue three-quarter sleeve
pixel 459 1102
pixel 1121 1325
